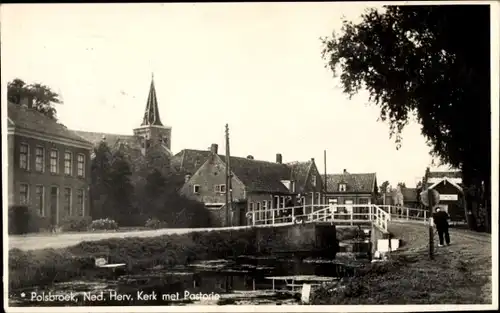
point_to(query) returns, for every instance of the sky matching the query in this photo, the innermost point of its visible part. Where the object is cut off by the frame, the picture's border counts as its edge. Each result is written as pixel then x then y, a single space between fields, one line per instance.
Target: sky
pixel 254 66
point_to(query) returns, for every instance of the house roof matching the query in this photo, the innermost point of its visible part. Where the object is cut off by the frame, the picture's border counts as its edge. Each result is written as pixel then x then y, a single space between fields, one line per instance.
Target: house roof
pixel 260 175
pixel 112 139
pixel 189 160
pixel 30 119
pixel 299 171
pixel 359 182
pixel 409 194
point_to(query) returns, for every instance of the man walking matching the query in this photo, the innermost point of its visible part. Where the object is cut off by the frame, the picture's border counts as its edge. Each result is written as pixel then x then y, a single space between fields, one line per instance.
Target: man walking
pixel 441 221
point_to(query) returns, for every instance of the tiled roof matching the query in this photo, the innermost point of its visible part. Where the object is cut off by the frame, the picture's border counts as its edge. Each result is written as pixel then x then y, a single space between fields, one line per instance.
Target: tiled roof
pixel 299 171
pixel 359 182
pixel 409 194
pixel 189 160
pixel 112 139
pixel 30 119
pixel 260 175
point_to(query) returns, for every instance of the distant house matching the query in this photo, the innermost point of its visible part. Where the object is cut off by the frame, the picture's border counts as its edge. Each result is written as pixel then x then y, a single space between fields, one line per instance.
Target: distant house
pixel 48 164
pixel 351 188
pixel 451 196
pixel 410 199
pixel 256 185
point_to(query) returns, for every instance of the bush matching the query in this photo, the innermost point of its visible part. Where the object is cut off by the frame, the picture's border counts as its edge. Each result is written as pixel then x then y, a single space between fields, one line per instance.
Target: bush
pixel 103 224
pixel 23 220
pixel 76 223
pixel 155 223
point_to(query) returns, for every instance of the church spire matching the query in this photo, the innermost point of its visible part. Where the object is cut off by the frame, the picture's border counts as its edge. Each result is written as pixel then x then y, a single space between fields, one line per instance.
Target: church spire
pixel 152 115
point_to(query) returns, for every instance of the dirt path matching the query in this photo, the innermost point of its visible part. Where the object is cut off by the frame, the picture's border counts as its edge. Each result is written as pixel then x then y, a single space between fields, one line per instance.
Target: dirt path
pixel 467 248
pixel 54 241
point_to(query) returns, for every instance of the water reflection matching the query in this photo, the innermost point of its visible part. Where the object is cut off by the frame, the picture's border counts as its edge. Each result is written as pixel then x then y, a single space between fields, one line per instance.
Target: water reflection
pixel 244 280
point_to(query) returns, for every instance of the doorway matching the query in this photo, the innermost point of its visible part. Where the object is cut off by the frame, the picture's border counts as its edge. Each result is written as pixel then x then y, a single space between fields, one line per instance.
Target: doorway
pixel 54 204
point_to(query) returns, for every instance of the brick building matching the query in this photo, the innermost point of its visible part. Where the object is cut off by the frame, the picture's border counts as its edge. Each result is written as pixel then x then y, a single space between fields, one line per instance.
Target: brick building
pixel 256 185
pixel 48 164
pixel 351 188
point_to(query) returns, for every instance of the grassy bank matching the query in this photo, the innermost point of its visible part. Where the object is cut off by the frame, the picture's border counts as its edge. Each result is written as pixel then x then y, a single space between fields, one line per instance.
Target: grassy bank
pixel 456 276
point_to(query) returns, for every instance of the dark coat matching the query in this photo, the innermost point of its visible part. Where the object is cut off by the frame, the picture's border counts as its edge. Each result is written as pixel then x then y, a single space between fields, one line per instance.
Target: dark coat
pixel 441 219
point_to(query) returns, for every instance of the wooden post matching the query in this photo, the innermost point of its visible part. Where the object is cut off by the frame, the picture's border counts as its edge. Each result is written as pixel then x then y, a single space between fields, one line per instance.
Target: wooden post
pixel 407 213
pixel 425 216
pixel 431 230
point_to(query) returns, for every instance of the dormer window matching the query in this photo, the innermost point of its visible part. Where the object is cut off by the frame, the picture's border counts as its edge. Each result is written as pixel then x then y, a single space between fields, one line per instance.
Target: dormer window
pixel 196 189
pixel 342 187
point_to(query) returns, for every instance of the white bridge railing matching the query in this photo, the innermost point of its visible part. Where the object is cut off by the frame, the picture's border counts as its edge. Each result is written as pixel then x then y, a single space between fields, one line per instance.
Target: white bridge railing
pixel 352 214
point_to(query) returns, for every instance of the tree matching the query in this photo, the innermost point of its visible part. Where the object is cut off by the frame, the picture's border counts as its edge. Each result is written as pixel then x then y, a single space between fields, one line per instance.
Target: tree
pixel 100 180
pixel 402 185
pixel 415 61
pixel 384 188
pixel 121 190
pixel 44 98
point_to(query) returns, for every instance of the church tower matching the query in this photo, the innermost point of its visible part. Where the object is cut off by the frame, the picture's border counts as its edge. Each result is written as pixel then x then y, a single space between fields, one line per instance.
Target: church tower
pixel 152 132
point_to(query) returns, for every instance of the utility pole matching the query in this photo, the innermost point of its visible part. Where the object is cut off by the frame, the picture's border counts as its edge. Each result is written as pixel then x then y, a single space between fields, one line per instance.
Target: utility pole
pixel 325 185
pixel 229 188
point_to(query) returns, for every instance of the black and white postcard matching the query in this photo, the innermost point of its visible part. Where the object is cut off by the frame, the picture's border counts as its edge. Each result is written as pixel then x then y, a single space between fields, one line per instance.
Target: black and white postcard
pixel 252 156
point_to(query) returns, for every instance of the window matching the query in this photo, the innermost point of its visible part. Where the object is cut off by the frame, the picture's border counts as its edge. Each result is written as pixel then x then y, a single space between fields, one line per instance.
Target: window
pixel 342 187
pixel 80 165
pixel 24 156
pixel 314 180
pixel 196 188
pixel 68 163
pixel 39 159
pixel 54 160
pixel 363 200
pixel 67 201
pixel 80 206
pixel 220 188
pixel 40 197
pixel 23 194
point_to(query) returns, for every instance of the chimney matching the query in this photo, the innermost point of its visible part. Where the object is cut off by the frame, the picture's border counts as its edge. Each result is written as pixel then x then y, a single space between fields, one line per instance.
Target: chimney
pixel 214 148
pixel 250 157
pixel 26 101
pixel 187 178
pixel 345 171
pixel 279 158
pixel 312 160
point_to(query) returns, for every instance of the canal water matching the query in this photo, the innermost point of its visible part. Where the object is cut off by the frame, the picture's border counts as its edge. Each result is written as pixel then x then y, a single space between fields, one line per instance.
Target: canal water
pixel 243 280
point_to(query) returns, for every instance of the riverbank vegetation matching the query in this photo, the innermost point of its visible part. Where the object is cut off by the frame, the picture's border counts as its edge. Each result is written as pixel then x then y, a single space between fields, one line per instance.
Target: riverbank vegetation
pixel 459 274
pixel 41 267
pixel 28 268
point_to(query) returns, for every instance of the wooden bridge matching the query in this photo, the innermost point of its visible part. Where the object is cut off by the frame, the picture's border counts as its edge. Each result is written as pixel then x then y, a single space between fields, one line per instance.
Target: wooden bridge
pixel 349 215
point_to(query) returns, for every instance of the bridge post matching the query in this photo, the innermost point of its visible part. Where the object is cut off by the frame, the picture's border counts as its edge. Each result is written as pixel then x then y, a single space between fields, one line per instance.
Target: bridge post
pixel 272 215
pixel 425 216
pixel 293 213
pixel 253 217
pixel 352 217
pixel 407 214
